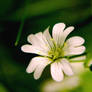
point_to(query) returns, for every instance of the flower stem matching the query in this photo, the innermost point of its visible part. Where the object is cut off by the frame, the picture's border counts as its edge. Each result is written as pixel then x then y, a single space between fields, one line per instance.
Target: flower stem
pixel 19 32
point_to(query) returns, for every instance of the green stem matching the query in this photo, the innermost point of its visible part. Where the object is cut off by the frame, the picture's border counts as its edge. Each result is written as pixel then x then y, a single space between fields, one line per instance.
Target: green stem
pixel 19 32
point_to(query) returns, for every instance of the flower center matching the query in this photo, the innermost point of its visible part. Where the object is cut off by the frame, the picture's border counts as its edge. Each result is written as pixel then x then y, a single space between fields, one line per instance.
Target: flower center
pixel 55 53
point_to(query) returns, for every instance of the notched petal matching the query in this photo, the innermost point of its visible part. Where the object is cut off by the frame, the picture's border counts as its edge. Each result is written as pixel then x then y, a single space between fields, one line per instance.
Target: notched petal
pixel 56 72
pixel 75 41
pixel 66 67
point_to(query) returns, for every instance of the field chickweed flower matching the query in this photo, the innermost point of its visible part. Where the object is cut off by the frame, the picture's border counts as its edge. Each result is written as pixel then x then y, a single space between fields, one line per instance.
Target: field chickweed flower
pixel 54 51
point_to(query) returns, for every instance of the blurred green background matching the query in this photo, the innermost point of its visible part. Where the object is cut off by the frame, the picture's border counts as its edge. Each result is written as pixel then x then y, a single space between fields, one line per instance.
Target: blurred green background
pixel 18 19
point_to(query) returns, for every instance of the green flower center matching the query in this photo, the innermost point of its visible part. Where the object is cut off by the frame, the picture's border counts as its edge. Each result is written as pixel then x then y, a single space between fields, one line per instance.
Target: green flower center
pixel 55 53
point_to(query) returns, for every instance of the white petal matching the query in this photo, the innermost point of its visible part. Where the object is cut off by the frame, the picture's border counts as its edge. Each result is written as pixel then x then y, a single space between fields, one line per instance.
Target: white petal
pixel 66 67
pixel 48 37
pixel 44 44
pixel 66 32
pixel 32 39
pixel 69 51
pixel 56 72
pixel 78 58
pixel 75 41
pixel 58 32
pixel 36 65
pixel 38 41
pixel 39 68
pixel 33 64
pixel 32 49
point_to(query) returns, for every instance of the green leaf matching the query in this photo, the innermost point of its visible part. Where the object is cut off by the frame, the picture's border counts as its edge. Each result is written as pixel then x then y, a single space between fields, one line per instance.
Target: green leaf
pixel 47 7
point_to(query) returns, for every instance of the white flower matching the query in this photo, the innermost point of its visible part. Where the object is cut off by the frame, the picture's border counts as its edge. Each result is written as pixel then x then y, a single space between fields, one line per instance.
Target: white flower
pixel 54 51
